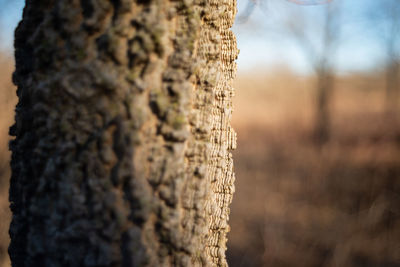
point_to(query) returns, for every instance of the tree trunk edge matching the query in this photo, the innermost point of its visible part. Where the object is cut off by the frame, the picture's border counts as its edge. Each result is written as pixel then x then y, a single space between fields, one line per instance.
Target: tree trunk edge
pixel 223 137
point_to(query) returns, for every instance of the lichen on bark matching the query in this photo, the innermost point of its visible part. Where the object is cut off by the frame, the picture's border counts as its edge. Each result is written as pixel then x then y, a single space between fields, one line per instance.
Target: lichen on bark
pixel 122 136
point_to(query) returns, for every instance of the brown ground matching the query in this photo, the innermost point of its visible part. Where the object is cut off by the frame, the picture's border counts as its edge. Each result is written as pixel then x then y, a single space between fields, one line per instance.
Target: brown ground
pixel 7 104
pixel 295 204
pixel 300 205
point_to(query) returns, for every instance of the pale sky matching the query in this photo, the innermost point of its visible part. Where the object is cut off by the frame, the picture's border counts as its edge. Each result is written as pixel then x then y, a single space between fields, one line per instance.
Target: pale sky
pixel 263 40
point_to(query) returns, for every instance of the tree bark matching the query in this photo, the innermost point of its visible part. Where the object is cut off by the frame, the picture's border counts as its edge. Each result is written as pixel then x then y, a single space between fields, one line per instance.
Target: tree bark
pixel 122 133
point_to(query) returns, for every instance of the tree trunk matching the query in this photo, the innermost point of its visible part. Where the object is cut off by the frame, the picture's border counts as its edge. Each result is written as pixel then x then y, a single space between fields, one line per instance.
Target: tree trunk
pixel 122 134
pixel 322 123
pixel 392 86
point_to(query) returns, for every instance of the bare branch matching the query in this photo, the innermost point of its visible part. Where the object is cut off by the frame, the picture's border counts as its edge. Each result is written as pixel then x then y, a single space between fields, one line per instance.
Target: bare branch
pixel 251 4
pixel 309 2
pixel 247 12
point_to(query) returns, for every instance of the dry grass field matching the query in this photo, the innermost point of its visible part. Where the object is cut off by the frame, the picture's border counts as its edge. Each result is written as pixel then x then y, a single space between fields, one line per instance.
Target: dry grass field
pixel 296 204
pixel 7 103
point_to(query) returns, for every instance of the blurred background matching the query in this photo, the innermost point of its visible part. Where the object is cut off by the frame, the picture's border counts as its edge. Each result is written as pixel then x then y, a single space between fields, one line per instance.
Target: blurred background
pixel 317 110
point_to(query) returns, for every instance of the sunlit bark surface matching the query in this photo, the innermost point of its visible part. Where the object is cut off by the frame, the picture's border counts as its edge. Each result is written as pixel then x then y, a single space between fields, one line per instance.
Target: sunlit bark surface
pixel 122 134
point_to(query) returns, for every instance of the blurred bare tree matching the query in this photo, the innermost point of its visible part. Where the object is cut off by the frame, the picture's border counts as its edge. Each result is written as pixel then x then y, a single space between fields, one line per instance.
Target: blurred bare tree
pixel 318 37
pixel 251 4
pixel 320 54
pixel 385 17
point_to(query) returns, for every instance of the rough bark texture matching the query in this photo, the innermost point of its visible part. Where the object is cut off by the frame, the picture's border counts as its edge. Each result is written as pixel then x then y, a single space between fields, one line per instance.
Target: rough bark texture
pixel 121 155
